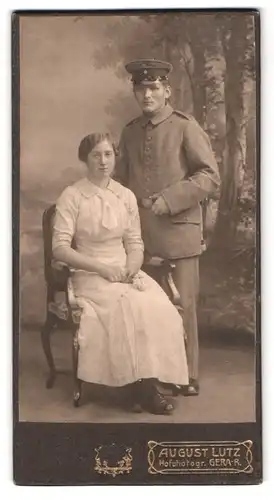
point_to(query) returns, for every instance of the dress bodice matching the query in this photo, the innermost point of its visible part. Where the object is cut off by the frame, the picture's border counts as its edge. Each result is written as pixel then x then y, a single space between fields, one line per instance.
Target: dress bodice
pixel 104 222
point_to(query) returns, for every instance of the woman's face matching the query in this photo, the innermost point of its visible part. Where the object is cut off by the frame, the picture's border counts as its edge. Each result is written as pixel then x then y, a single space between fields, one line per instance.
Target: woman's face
pixel 101 160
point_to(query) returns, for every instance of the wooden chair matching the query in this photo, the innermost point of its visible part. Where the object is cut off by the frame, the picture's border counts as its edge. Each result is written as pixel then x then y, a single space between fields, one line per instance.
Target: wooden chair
pixel 68 313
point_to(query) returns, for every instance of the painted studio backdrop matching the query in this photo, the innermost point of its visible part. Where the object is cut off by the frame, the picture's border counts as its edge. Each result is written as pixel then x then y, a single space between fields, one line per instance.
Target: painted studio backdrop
pixel 73 82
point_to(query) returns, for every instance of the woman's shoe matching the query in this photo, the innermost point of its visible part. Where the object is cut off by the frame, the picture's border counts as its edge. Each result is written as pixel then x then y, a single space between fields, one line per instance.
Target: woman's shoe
pixel 159 405
pixel 153 401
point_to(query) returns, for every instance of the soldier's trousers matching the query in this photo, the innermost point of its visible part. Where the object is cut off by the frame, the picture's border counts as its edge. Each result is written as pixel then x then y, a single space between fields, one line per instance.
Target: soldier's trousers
pixel 186 279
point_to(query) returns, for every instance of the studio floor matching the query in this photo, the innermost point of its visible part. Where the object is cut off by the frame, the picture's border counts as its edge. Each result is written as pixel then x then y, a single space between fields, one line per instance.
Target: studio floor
pixel 227 380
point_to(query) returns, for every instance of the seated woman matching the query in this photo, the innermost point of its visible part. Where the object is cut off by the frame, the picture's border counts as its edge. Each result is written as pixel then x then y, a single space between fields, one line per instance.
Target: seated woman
pixel 130 333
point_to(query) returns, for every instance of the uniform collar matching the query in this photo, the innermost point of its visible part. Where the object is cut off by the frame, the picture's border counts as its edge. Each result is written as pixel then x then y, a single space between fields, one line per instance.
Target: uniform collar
pixel 88 189
pixel 160 117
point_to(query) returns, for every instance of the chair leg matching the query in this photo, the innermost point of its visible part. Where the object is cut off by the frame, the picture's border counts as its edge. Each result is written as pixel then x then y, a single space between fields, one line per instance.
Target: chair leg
pixel 77 393
pixel 45 337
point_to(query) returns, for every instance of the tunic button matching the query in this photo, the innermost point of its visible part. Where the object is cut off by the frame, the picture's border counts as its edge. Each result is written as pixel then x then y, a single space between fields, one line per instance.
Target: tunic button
pixel 147 149
pixel 149 138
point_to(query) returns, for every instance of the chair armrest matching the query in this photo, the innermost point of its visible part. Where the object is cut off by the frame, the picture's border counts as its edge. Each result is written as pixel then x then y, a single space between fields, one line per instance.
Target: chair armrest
pixel 67 308
pixel 71 296
pixel 58 274
pixel 63 268
pixel 58 265
pixel 76 309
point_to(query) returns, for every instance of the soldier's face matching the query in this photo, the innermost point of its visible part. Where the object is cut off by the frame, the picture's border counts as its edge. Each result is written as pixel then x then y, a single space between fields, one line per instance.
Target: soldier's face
pixel 101 160
pixel 152 96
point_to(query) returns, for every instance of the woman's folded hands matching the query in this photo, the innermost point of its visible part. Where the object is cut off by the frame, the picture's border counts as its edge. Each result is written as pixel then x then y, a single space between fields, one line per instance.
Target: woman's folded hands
pixel 112 272
pixel 120 274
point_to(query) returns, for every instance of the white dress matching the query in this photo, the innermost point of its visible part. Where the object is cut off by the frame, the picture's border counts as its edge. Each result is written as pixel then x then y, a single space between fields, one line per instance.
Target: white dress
pixel 125 333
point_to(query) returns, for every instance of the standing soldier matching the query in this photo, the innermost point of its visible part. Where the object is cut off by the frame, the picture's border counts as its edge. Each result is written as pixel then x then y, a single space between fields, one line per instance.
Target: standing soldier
pixel 167 161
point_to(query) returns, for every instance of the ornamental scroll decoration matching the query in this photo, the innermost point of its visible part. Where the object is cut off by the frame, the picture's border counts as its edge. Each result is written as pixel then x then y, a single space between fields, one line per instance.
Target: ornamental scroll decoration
pixel 113 460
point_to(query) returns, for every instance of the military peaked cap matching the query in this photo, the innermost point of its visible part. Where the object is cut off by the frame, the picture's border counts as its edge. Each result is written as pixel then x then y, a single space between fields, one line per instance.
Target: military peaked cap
pixel 148 70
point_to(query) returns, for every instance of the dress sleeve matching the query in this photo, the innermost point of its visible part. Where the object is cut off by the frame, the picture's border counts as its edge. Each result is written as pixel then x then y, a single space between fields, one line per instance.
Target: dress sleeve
pixel 65 218
pixel 132 236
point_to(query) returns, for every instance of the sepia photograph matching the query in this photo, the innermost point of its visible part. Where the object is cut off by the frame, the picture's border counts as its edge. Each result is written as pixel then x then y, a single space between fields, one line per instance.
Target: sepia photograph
pixel 136 247
pixel 138 182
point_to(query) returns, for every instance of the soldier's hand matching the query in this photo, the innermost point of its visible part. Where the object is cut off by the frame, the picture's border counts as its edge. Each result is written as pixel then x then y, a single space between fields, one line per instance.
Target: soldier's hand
pixel 160 206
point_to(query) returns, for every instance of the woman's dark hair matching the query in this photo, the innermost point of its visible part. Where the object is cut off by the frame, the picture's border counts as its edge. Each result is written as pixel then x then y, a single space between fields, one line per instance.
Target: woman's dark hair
pixel 90 141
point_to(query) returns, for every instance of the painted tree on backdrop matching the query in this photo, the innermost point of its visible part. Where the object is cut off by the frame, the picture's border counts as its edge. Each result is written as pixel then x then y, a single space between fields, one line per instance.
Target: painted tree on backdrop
pixel 213 57
pixel 238 41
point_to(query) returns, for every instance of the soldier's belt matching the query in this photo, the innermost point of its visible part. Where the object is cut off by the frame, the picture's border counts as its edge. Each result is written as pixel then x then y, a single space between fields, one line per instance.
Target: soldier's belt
pixel 144 202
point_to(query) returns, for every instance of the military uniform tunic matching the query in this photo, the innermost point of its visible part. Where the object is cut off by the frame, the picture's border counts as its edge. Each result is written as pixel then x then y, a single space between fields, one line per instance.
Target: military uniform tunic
pixel 171 155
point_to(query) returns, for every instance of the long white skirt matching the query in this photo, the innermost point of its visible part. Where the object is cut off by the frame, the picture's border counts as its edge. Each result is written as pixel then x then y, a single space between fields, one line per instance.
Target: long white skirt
pixel 126 334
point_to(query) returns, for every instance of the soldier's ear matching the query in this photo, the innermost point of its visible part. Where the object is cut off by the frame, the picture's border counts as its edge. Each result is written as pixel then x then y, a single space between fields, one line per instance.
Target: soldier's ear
pixel 167 91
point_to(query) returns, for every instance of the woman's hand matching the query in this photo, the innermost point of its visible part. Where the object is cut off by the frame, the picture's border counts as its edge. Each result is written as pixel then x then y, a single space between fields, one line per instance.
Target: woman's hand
pixel 112 273
pixel 134 263
pixel 132 268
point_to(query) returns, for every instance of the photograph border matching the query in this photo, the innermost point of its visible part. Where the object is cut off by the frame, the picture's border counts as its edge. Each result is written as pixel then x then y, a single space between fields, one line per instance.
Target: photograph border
pixel 64 453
